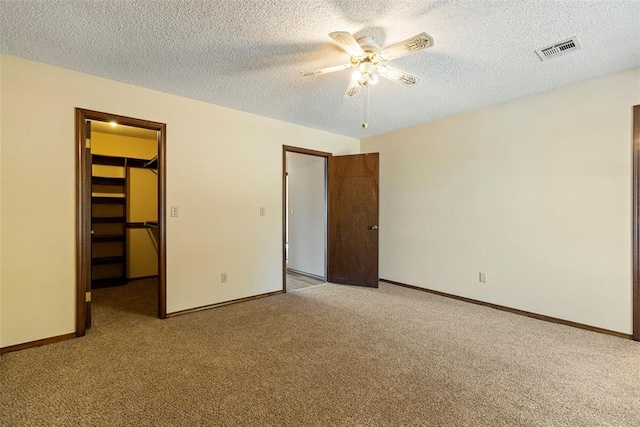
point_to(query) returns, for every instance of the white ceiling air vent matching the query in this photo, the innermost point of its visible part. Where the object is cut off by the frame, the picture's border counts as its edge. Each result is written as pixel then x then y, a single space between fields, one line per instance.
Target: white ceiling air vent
pixel 558 49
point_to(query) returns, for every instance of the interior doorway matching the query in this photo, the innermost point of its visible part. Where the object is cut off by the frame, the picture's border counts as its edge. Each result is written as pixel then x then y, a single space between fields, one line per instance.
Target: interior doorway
pixel 305 218
pixel 120 215
pixel 351 208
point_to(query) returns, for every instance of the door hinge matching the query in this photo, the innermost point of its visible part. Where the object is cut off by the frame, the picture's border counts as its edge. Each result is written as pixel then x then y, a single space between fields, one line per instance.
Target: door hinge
pixel 87 296
pixel 87 143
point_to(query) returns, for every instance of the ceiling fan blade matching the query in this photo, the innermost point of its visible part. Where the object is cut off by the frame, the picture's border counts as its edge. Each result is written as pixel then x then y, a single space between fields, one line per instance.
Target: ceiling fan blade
pixel 353 89
pixel 348 43
pixel 398 76
pixel 414 44
pixel 327 70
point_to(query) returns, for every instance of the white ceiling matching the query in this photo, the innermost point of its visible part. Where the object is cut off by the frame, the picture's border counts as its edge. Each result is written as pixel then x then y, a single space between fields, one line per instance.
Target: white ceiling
pixel 247 54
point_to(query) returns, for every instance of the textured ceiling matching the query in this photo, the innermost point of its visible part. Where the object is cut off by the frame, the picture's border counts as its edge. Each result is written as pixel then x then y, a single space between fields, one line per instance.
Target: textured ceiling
pixel 249 54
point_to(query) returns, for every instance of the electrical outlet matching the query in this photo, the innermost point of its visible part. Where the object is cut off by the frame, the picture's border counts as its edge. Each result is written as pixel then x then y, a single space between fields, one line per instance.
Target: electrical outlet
pixel 174 211
pixel 262 211
pixel 483 278
pixel 223 278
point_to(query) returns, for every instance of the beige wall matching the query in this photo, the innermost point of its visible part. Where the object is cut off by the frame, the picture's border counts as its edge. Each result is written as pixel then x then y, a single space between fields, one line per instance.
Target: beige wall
pixel 536 193
pixel 222 166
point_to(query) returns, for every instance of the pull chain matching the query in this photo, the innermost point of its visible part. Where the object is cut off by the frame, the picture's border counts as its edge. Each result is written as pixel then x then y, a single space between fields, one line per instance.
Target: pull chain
pixel 365 124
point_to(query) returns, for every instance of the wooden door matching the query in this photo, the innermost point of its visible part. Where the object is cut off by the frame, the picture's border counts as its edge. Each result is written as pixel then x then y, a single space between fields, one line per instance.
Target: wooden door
pixel 353 220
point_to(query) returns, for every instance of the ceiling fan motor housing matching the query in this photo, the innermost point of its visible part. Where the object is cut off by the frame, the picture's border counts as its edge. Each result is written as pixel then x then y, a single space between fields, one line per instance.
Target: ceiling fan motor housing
pixel 368 44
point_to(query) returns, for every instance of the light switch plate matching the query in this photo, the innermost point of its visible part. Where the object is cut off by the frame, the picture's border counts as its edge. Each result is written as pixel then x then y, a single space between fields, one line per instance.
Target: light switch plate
pixel 174 211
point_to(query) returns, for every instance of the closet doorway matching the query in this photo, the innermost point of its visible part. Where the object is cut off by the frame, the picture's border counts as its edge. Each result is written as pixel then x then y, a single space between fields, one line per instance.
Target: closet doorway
pixel 305 218
pixel 120 217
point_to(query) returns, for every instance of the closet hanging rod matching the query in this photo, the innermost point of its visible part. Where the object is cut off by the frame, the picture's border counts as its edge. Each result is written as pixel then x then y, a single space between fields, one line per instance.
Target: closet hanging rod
pixel 132 162
pixel 152 162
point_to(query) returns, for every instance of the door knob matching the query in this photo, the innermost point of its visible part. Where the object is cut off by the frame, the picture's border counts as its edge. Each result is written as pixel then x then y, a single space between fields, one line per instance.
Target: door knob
pixel 375 227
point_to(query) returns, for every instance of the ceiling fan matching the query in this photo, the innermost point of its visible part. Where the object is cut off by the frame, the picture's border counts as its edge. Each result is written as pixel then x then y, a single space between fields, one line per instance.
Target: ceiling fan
pixel 370 61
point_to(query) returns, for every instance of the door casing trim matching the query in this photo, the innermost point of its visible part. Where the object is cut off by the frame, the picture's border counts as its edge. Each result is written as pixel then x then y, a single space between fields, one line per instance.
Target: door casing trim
pixel 291 149
pixel 636 223
pixel 83 221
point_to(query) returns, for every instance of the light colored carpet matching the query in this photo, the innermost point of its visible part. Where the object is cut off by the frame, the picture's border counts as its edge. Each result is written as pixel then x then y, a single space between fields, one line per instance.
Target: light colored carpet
pixel 325 355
